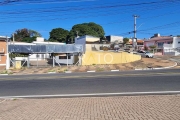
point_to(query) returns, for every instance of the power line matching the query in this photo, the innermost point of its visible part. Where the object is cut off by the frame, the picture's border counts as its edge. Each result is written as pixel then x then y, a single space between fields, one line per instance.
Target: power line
pixel 64 18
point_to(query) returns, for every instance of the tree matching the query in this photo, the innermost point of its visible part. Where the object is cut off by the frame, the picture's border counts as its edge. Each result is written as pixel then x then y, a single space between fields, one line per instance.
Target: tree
pixel 59 35
pixel 25 35
pixel 145 48
pixel 34 33
pixel 91 28
pixel 125 40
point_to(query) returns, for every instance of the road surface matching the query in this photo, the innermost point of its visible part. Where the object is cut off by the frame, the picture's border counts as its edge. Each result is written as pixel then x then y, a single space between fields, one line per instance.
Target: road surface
pixel 91 84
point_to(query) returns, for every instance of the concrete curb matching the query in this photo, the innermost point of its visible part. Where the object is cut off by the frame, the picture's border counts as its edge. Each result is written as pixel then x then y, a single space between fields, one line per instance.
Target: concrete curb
pixel 51 72
pixel 3 74
pixel 91 71
pixel 68 71
pixel 114 70
pixel 159 68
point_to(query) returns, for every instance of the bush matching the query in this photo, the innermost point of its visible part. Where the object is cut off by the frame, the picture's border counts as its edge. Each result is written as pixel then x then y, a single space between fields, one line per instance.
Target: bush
pixel 105 48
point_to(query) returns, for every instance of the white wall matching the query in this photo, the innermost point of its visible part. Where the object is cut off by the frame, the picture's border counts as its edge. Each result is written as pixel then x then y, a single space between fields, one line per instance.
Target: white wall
pixel 40 39
pixel 64 61
pixel 118 38
pixel 176 42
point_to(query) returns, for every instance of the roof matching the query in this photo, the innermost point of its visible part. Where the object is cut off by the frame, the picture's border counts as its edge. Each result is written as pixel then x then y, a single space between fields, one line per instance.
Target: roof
pixel 138 41
pixel 37 43
pixel 159 38
pixel 87 36
pixel 3 38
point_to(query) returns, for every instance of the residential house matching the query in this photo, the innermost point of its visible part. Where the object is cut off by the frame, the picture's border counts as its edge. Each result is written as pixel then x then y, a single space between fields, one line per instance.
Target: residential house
pixel 139 43
pixel 3 50
pixel 162 43
pixel 113 38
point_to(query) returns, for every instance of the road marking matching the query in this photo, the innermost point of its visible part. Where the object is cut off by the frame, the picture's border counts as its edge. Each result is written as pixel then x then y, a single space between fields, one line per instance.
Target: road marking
pixel 114 70
pixel 92 94
pixel 92 76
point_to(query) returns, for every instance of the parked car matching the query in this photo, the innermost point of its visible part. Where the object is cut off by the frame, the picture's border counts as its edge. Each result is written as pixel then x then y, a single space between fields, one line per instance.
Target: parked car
pixel 146 54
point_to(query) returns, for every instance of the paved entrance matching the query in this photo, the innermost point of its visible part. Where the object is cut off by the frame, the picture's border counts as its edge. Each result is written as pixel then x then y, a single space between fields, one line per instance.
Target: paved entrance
pixel 94 108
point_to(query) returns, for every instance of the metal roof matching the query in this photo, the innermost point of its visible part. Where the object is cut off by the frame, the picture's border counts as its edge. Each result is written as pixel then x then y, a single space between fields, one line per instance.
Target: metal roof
pixel 29 49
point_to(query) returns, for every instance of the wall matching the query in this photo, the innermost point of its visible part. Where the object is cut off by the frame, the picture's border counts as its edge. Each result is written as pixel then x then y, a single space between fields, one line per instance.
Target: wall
pixel 64 61
pixel 92 57
pixel 176 42
pixel 2 54
pixel 149 43
pixel 118 38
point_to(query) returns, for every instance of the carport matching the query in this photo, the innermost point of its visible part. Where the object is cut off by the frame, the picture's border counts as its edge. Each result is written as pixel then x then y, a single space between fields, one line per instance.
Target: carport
pixel 69 50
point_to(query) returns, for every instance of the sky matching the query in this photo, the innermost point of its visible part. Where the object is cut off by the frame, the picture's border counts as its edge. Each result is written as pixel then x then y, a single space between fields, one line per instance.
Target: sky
pixel 115 16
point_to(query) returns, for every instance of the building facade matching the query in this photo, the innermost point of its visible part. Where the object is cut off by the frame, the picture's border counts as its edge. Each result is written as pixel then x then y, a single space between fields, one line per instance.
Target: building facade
pixel 112 39
pixel 164 44
pixel 3 51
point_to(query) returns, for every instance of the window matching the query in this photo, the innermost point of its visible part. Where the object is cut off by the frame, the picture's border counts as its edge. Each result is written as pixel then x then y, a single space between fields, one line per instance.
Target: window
pixel 179 42
pixel 160 44
pixel 64 57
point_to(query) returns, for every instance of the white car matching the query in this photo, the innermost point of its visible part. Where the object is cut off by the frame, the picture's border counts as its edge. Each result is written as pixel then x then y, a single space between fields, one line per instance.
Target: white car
pixel 147 54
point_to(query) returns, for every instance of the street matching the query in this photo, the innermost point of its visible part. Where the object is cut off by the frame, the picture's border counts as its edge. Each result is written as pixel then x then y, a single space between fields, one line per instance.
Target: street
pixel 90 84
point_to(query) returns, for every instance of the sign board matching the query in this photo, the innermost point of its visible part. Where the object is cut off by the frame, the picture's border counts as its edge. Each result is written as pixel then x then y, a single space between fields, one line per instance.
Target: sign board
pixel 18 64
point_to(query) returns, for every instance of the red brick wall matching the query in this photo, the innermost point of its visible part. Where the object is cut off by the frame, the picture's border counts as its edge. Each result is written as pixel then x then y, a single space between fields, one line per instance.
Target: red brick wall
pixel 2 54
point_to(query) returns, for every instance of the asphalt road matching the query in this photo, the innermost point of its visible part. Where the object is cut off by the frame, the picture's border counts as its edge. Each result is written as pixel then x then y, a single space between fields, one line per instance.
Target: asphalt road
pixel 90 83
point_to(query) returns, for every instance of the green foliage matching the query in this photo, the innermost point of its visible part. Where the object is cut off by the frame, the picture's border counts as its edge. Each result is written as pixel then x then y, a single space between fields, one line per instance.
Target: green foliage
pixel 17 55
pixel 59 35
pixel 152 47
pixel 6 72
pixel 34 33
pixel 29 39
pixel 87 29
pixel 125 40
pixel 25 35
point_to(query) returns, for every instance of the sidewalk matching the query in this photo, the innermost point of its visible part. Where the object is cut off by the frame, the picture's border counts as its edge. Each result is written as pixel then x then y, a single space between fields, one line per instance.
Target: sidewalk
pixel 94 108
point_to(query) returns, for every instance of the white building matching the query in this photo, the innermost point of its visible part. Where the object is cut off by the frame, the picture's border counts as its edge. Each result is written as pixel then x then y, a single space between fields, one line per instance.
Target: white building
pixel 113 38
pixel 172 49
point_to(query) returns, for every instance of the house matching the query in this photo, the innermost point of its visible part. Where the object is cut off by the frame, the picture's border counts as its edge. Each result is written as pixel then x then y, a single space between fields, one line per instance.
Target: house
pixel 162 43
pixel 3 50
pixel 139 43
pixel 113 38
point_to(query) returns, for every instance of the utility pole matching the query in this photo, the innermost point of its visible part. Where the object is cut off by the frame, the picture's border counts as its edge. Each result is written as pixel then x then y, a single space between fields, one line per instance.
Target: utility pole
pixel 77 33
pixel 135 31
pixel 13 38
pixel 7 54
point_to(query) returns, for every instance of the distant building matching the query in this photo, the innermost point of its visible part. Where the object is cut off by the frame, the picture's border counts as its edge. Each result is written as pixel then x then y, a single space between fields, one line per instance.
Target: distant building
pixel 164 44
pixel 112 39
pixel 87 41
pixel 3 48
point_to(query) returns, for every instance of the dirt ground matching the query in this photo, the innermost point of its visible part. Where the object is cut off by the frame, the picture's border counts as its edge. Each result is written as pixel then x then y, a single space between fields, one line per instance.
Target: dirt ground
pixel 143 63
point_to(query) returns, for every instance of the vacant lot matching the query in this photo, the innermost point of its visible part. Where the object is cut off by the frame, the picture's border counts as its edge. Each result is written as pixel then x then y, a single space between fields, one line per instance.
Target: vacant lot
pixel 143 63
